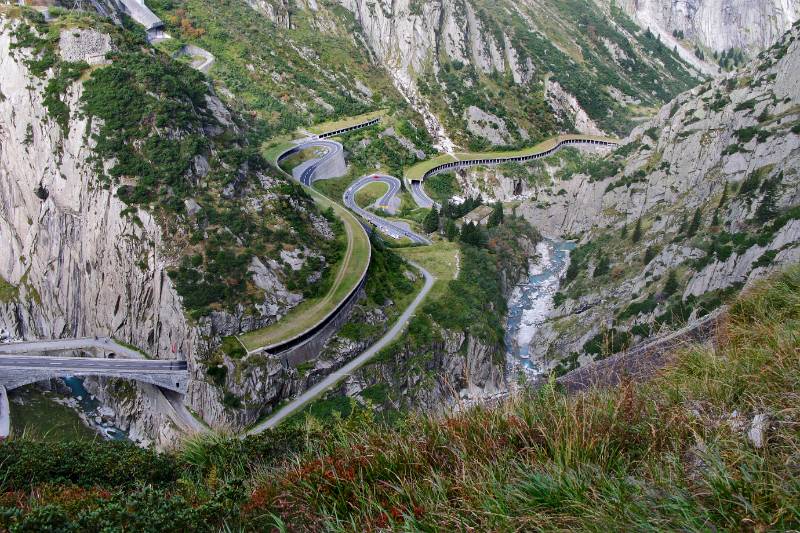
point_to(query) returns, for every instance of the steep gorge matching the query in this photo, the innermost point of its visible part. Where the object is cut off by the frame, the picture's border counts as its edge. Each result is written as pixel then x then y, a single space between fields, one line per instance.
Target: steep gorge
pixel 695 204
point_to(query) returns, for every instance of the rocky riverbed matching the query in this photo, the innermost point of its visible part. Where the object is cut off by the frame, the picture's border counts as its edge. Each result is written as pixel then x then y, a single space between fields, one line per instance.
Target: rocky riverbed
pixel 63 411
pixel 532 301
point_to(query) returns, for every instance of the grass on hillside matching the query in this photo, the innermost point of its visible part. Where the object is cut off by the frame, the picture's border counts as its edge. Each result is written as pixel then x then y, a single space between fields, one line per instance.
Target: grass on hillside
pixel 669 454
pixel 274 149
pixel 8 292
pixel 331 404
pixel 38 415
pixel 349 272
pixel 440 259
pixel 346 122
pixel 370 193
pixel 672 454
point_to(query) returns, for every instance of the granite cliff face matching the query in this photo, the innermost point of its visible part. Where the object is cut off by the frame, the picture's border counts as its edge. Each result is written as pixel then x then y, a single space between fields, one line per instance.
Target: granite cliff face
pixel 719 25
pixel 67 246
pixel 78 261
pixel 525 53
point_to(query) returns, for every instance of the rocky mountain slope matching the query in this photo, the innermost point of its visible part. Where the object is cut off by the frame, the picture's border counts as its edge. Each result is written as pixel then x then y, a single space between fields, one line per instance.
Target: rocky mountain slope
pixel 693 206
pixel 500 73
pixel 133 206
pixel 479 74
pixel 708 443
pixel 717 25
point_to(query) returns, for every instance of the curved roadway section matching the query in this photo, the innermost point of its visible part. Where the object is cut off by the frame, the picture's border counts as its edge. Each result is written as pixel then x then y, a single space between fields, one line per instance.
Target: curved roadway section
pixel 305 172
pixel 421 197
pixel 334 378
pixel 394 230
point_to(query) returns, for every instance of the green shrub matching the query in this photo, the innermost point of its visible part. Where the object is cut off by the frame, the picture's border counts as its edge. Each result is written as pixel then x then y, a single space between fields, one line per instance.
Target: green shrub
pixel 233 348
pixel 745 135
pixel 115 464
pixel 606 343
pixel 603 266
pixel 636 308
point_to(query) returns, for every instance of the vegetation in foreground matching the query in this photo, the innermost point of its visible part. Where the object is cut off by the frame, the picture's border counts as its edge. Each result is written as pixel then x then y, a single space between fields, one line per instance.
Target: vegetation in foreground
pixel 677 453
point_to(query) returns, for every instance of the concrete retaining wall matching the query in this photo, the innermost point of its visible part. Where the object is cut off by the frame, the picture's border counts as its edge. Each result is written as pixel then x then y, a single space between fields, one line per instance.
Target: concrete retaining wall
pixel 5 414
pixel 139 12
pixel 192 51
pixel 309 348
pixel 332 167
pixel 446 167
pixel 342 131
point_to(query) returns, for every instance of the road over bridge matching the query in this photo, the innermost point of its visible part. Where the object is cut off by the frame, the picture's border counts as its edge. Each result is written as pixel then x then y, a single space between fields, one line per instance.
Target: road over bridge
pixel 20 370
pixel 23 363
pixel 102 346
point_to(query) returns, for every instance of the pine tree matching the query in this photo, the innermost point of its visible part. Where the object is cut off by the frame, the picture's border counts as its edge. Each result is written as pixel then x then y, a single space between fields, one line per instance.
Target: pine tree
pixel 496 218
pixel 637 231
pixel 624 232
pixel 649 254
pixel 672 283
pixel 451 230
pixel 684 224
pixel 431 223
pixel 767 210
pixel 697 219
pixel 715 218
pixel 472 234
pixel 603 266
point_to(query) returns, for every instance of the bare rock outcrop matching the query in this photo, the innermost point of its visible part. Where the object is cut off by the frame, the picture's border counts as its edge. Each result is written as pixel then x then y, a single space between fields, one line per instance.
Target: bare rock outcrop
pixel 719 25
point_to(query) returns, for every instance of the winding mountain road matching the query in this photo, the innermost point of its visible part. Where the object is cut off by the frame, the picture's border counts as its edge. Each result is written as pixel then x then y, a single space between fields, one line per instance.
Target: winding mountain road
pixel 334 378
pixel 308 169
pixel 392 229
pixel 307 177
pixel 421 197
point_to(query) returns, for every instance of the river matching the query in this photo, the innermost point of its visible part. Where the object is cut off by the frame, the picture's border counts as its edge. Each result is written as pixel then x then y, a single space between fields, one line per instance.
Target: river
pixel 58 416
pixel 531 303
